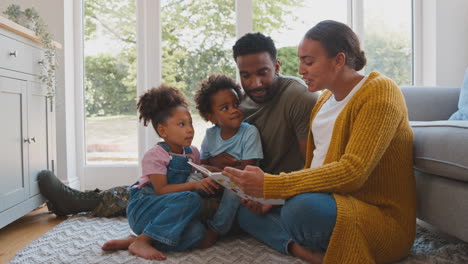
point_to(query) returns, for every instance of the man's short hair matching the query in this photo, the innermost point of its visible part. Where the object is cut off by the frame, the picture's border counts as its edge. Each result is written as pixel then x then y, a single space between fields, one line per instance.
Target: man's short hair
pixel 252 43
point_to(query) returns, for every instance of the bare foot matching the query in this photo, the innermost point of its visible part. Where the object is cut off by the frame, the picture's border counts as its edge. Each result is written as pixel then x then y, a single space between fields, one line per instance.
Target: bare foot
pixel 142 247
pixel 116 244
pixel 210 239
pixel 304 254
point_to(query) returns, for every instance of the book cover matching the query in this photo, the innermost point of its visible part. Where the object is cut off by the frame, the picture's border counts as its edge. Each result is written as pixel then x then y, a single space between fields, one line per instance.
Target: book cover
pixel 226 182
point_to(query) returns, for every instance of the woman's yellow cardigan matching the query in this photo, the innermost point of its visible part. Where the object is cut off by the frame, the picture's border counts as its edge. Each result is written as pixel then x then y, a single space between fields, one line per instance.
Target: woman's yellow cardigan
pixel 369 170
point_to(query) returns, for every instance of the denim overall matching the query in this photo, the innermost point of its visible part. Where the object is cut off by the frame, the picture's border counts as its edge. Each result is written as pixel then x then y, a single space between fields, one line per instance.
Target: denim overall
pixel 170 218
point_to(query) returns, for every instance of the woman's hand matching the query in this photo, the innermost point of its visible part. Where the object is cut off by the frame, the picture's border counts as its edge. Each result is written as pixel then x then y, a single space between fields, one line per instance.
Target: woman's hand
pixel 207 185
pixel 256 207
pixel 250 180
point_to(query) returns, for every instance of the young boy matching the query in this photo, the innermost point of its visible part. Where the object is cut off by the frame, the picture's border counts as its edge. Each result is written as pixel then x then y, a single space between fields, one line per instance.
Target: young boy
pixel 218 102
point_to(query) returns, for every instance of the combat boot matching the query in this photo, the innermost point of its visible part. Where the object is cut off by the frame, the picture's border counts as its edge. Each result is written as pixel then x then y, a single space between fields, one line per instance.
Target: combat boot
pixel 63 200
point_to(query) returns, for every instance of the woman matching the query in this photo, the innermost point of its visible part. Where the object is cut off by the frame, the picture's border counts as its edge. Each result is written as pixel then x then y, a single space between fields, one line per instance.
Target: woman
pixel 354 201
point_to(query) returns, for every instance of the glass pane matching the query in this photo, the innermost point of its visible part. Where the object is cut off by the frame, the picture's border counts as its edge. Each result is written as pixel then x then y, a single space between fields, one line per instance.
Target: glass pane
pixel 197 37
pixel 110 81
pixel 388 39
pixel 286 22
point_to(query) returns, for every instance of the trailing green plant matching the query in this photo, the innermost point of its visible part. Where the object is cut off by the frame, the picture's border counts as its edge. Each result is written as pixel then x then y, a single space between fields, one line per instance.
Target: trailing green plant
pixel 30 18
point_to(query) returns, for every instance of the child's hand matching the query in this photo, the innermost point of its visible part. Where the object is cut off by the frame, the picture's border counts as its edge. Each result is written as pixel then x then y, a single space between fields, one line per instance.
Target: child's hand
pixel 222 160
pixel 207 185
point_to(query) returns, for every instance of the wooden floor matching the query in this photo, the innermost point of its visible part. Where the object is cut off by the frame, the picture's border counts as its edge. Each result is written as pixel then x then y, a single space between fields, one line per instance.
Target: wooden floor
pixel 23 231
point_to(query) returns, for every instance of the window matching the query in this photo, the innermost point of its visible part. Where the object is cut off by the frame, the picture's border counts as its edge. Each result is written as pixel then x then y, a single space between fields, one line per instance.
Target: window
pixel 197 37
pixel 183 41
pixel 388 39
pixel 110 81
pixel 287 23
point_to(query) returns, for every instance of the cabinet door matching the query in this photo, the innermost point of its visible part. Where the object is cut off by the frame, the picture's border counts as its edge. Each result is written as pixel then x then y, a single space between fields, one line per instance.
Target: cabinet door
pixel 39 133
pixel 14 183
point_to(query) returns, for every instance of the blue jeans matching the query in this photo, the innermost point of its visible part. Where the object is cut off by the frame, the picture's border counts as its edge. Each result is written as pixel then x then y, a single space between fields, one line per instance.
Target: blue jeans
pixel 226 213
pixel 170 219
pixel 307 219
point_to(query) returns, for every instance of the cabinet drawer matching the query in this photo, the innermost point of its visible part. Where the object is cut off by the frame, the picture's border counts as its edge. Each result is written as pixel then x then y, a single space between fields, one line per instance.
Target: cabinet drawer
pixel 17 56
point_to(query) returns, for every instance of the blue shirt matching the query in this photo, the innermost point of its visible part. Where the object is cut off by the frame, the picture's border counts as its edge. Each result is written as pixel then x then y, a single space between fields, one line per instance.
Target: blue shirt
pixel 244 145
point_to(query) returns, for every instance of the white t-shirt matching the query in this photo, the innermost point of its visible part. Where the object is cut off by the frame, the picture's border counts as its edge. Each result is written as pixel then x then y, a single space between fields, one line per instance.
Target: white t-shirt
pixel 324 122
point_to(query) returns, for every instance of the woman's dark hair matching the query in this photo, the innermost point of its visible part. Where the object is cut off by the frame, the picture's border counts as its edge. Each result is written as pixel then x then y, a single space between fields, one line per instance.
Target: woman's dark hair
pixel 337 37
pixel 252 43
pixel 156 104
pixel 214 84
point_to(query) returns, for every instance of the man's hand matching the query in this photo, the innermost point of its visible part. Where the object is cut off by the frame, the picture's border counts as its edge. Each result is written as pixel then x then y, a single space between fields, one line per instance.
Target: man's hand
pixel 208 185
pixel 212 168
pixel 223 160
pixel 250 180
pixel 256 207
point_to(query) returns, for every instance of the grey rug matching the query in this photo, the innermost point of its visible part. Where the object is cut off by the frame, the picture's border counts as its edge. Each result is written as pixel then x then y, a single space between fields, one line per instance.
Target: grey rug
pixel 79 240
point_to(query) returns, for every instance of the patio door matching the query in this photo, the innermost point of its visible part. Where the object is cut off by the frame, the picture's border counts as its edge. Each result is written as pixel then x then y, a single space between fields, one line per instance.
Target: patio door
pixel 110 93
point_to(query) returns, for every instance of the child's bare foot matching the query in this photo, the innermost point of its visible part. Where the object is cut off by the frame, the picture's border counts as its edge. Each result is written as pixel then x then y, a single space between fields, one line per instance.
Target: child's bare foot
pixel 210 239
pixel 116 244
pixel 304 254
pixel 142 247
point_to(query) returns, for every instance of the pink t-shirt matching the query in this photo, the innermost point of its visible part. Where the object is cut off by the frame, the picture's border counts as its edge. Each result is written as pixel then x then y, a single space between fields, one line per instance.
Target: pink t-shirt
pixel 156 160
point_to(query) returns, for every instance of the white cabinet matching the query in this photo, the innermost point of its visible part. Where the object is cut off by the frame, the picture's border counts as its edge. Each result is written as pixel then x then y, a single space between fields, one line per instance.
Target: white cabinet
pixel 27 126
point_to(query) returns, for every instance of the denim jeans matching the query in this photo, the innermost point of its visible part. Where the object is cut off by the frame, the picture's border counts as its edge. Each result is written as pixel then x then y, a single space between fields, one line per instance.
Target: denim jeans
pixel 226 213
pixel 307 219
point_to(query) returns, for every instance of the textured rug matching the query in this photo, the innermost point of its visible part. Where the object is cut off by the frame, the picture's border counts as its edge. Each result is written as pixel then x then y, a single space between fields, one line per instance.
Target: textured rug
pixel 79 240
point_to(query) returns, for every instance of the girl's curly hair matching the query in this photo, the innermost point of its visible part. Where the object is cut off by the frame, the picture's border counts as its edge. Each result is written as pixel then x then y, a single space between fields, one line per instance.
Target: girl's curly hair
pixel 156 104
pixel 214 84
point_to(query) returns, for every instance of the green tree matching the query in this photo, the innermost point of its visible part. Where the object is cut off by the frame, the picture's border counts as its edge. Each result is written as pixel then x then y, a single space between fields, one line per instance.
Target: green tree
pixel 197 36
pixel 202 40
pixel 289 61
pixel 108 91
pixel 389 53
pixel 117 18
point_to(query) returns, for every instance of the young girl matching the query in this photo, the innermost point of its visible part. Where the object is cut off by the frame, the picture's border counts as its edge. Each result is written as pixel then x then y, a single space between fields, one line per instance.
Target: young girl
pixel 218 102
pixel 162 209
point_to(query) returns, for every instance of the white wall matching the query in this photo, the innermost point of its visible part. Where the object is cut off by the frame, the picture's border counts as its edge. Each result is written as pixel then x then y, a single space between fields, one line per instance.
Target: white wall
pixel 452 41
pixel 58 14
pixel 444 42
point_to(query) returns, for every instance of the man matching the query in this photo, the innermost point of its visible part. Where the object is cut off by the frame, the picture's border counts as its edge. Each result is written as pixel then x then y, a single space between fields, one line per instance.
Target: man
pixel 279 106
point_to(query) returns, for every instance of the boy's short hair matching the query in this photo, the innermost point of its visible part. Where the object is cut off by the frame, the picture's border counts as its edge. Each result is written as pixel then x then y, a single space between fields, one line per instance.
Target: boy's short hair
pixel 210 86
pixel 252 43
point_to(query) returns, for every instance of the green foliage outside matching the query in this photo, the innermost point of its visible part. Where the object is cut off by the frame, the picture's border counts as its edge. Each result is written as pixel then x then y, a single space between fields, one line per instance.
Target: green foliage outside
pixel 195 34
pixel 389 54
pixel 289 61
pixel 109 91
pixel 197 37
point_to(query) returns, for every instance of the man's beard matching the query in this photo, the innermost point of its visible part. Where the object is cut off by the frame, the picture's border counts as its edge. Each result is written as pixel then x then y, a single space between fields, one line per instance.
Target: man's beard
pixel 269 92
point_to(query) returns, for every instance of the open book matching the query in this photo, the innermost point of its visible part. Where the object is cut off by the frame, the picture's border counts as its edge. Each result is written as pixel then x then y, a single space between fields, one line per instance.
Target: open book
pixel 227 183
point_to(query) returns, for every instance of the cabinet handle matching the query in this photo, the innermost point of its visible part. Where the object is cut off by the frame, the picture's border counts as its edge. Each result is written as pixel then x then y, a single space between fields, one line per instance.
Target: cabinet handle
pixel 33 139
pixel 28 140
pixel 40 62
pixel 13 53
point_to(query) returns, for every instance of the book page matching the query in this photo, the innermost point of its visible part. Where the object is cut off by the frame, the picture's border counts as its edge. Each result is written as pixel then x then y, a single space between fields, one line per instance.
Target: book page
pixel 226 182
